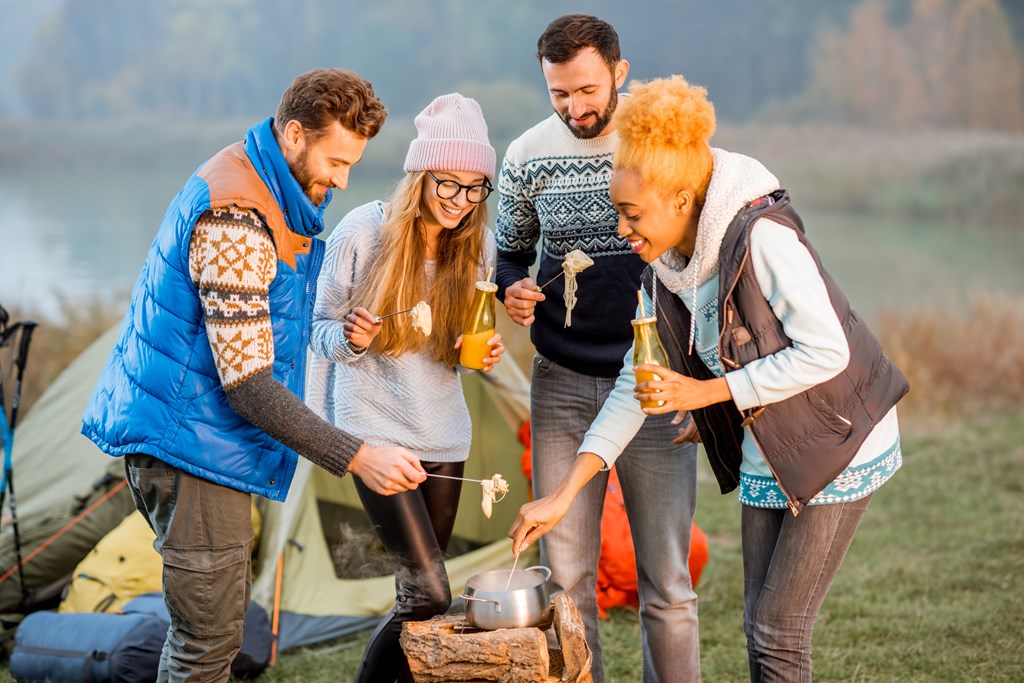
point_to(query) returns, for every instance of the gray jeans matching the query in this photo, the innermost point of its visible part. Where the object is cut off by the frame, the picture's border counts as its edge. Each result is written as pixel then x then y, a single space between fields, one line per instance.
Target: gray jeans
pixel 658 480
pixel 204 534
pixel 789 564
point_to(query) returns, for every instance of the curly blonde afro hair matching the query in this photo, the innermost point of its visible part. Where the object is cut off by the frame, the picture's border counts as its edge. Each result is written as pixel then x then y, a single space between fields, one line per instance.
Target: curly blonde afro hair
pixel 664 128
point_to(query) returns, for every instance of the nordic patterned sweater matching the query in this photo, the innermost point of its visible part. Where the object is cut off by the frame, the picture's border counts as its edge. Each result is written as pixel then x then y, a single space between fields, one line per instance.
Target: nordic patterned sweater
pixel 410 400
pixel 553 190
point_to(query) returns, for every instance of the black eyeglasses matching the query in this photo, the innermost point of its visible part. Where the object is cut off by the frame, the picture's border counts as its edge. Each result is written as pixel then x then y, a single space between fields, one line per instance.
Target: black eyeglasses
pixel 449 189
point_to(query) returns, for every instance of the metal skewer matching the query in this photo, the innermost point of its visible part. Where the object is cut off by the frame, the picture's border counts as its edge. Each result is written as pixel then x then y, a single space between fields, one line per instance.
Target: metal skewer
pixel 512 571
pixel 550 281
pixel 445 476
pixel 475 481
pixel 388 315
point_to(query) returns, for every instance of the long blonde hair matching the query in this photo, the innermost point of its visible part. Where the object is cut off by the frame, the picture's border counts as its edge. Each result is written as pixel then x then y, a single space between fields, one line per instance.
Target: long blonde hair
pixel 396 279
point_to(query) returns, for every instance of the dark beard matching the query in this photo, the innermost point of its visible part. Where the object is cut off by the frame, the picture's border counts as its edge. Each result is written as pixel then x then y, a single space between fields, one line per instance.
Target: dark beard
pixel 306 180
pixel 601 121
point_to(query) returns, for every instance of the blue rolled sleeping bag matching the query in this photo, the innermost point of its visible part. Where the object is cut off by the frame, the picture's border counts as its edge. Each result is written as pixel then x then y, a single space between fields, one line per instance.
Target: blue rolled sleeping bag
pixel 101 647
pixel 91 647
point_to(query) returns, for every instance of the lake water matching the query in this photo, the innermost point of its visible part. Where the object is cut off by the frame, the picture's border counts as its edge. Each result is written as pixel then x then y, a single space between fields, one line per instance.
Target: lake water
pixel 77 234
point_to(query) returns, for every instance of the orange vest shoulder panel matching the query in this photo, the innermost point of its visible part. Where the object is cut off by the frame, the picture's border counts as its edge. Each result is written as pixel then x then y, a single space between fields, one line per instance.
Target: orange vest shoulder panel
pixel 233 181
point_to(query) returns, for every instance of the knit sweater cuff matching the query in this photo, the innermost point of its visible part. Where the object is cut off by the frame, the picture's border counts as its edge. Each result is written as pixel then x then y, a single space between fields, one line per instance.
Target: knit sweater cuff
pixel 270 406
pixel 511 269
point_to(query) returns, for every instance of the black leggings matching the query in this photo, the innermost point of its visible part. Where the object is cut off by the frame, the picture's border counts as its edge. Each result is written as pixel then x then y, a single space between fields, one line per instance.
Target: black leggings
pixel 415 528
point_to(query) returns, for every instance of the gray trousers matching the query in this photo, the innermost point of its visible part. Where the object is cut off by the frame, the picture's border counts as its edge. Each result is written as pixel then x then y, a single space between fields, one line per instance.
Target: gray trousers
pixel 789 564
pixel 204 534
pixel 659 489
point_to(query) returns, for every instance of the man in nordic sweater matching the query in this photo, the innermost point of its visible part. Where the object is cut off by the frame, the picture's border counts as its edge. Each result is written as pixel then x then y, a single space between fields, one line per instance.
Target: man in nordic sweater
pixel 203 391
pixel 554 191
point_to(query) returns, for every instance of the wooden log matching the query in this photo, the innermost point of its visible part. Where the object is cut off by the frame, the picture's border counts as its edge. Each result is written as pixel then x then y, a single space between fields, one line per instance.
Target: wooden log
pixel 575 654
pixel 446 649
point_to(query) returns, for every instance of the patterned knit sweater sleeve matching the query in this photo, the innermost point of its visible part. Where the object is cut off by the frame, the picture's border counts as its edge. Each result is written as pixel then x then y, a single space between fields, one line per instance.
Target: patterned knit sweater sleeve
pixel 232 262
pixel 517 229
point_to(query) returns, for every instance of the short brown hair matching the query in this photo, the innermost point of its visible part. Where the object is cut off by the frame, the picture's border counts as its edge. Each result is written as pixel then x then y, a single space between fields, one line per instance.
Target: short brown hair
pixel 570 33
pixel 318 98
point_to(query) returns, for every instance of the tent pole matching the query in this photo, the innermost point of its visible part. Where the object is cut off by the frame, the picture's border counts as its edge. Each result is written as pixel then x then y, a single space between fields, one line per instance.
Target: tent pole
pixel 277 607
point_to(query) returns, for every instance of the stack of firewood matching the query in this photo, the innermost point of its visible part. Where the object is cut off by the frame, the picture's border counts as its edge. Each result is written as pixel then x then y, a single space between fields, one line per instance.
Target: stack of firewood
pixel 447 649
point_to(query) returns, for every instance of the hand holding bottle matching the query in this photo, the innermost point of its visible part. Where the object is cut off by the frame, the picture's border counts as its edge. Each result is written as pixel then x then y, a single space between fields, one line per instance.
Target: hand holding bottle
pixel 478 334
pixel 493 356
pixel 678 392
pixel 648 352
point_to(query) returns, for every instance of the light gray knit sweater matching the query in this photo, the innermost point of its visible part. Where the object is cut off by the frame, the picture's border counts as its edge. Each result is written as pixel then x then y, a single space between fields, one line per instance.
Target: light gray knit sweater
pixel 408 401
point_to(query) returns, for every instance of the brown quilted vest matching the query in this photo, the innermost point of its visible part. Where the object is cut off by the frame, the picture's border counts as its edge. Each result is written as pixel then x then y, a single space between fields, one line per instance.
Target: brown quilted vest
pixel 808 439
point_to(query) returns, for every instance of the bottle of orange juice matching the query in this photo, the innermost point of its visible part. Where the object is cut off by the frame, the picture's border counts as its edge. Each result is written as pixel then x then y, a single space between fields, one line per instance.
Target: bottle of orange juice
pixel 647 348
pixel 479 326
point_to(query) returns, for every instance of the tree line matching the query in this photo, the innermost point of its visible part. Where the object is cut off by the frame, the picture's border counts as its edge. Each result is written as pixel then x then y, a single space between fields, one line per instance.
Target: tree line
pixel 876 62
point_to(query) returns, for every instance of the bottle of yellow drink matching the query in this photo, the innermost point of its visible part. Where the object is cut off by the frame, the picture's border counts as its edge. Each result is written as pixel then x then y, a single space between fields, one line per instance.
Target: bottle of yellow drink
pixel 647 349
pixel 479 326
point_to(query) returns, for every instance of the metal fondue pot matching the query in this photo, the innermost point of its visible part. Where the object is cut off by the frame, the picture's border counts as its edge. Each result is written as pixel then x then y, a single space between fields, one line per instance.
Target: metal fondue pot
pixel 490 606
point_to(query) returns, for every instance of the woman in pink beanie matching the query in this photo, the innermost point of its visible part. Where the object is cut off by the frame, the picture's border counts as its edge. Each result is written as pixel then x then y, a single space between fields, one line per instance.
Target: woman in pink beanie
pixel 387 381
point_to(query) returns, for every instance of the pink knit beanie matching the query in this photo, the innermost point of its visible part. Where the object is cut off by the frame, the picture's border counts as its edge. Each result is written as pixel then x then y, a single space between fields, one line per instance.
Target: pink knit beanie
pixel 452 136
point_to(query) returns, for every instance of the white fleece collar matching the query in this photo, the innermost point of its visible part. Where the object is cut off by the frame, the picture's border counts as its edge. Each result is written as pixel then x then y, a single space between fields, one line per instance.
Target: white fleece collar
pixel 735 180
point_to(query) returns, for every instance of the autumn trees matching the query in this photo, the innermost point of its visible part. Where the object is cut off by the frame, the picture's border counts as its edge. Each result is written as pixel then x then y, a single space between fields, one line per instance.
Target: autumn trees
pixel 947 63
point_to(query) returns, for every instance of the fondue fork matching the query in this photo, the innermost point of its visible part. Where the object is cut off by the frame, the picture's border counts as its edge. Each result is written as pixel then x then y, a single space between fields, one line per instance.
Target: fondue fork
pixel 512 571
pixel 475 481
pixel 550 281
pixel 388 315
pixel 445 476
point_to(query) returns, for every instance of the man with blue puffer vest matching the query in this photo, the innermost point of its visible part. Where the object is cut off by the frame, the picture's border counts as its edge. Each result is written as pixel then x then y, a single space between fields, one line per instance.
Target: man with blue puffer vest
pixel 202 393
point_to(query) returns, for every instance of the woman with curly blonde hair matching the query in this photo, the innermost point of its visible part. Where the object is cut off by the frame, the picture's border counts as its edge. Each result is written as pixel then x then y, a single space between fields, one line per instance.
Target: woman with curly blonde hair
pixel 394 382
pixel 787 388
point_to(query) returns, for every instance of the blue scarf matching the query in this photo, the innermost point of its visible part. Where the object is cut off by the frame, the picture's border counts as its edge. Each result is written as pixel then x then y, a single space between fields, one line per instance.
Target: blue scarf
pixel 303 217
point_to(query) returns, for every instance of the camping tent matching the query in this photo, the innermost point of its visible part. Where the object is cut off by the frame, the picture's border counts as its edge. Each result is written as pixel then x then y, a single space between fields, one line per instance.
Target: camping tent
pixel 64 482
pixel 60 476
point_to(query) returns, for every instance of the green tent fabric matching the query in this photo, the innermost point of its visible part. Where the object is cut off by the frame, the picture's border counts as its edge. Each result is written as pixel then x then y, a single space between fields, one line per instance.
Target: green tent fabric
pixel 59 473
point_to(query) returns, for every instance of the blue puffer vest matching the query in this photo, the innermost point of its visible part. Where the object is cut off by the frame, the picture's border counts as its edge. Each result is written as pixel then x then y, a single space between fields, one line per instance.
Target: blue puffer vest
pixel 160 393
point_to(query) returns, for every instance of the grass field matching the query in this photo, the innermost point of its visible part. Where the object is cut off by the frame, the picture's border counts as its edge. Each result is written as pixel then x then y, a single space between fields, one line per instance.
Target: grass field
pixel 932 589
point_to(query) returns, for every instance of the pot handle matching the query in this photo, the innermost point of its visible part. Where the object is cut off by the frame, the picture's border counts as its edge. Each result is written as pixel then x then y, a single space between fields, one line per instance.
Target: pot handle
pixel 540 568
pixel 497 605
